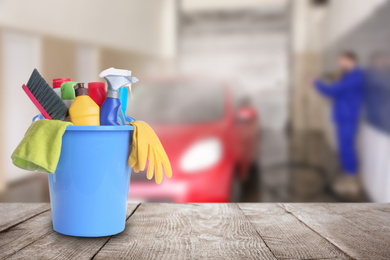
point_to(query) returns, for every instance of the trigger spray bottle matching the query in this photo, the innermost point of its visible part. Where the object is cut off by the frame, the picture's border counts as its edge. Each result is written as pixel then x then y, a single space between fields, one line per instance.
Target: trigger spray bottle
pixel 111 112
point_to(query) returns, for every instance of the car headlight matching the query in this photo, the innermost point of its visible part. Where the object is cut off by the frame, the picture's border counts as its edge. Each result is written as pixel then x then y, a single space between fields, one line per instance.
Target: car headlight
pixel 201 155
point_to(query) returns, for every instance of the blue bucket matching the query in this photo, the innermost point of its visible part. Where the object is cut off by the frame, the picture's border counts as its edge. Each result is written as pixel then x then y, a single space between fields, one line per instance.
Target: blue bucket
pixel 89 189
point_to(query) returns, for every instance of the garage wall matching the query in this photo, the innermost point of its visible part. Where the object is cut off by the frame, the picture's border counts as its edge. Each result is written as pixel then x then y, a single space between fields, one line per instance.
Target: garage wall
pixel 128 25
pixel 369 34
pixel 247 47
pixel 20 53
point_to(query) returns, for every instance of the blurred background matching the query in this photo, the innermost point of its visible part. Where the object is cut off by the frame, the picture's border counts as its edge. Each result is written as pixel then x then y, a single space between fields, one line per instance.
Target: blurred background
pixel 226 84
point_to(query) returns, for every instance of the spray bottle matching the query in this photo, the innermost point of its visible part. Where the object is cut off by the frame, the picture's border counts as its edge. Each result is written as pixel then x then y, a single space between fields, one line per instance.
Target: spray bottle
pixel 111 112
pixel 124 94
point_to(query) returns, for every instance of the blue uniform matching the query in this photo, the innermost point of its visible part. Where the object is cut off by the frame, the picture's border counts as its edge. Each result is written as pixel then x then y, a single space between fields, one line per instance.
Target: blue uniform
pixel 347 95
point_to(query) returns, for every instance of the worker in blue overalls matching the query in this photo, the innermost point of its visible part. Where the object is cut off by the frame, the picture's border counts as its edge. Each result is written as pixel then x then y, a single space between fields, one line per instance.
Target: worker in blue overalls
pixel 346 95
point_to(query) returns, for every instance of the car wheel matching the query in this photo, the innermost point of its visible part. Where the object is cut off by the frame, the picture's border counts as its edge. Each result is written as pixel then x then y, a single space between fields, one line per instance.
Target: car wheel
pixel 253 177
pixel 236 190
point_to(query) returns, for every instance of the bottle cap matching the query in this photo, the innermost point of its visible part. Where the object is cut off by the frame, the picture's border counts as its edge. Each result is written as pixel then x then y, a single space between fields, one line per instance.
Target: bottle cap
pixel 58 82
pixel 67 90
pixel 96 85
pixel 80 90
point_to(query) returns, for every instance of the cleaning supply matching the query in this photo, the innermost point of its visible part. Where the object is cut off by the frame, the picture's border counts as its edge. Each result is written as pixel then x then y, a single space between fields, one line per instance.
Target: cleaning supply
pixel 44 97
pixel 40 147
pixel 111 108
pixel 146 145
pixel 68 93
pixel 129 119
pixel 90 187
pixel 97 91
pixel 57 84
pixel 121 117
pixel 124 92
pixel 38 117
pixel 84 111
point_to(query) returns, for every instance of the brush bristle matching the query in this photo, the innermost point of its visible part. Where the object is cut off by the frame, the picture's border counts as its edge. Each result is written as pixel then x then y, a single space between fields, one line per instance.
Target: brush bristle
pixel 46 96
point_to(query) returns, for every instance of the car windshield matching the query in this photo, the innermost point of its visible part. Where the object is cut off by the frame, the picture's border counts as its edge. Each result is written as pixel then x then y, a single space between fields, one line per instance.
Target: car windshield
pixel 177 103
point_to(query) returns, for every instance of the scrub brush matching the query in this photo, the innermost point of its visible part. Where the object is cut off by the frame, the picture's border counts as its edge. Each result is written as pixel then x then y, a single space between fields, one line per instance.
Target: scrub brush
pixel 45 98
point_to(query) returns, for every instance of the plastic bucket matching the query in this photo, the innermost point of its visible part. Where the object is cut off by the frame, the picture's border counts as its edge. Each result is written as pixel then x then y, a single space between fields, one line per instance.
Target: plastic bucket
pixel 89 190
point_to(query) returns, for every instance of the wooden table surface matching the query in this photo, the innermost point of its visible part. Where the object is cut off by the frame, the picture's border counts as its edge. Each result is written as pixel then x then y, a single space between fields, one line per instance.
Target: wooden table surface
pixel 208 231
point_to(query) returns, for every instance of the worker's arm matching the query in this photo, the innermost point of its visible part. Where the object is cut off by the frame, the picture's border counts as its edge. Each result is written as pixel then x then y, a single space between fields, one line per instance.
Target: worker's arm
pixel 337 88
pixel 330 90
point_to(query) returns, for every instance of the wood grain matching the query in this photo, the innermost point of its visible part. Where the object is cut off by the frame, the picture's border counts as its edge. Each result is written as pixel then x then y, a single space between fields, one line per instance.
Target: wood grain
pixel 14 213
pixel 208 231
pixel 22 235
pixel 360 230
pixel 36 239
pixel 187 231
pixel 286 236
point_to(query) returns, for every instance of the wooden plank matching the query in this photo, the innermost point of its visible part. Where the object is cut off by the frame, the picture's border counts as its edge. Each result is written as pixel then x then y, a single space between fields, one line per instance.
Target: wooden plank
pixel 20 236
pixel 286 236
pixel 37 238
pixel 187 231
pixel 12 214
pixel 348 208
pixel 360 230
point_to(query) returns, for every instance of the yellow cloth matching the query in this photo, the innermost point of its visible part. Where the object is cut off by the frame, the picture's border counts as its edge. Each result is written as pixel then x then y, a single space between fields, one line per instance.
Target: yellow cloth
pixel 40 148
pixel 146 145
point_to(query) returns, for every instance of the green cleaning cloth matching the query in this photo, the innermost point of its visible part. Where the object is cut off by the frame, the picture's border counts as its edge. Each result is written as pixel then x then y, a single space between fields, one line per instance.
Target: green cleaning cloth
pixel 40 148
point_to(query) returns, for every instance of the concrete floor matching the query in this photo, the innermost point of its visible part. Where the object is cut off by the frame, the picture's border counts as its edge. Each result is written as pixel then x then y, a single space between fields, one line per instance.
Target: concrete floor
pixel 296 169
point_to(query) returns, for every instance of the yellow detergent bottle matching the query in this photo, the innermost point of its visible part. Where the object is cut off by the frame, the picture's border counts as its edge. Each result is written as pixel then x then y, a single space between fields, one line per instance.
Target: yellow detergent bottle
pixel 83 111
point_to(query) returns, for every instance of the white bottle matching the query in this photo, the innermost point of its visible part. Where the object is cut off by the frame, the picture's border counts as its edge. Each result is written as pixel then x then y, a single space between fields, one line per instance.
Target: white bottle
pixel 57 85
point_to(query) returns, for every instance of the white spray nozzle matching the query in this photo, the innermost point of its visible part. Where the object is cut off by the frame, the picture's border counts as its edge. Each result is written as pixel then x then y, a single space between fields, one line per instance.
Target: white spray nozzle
pixel 117 78
pixel 114 71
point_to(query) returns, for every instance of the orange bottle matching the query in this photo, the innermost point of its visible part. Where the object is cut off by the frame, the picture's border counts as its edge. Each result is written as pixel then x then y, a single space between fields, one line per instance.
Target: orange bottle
pixel 83 111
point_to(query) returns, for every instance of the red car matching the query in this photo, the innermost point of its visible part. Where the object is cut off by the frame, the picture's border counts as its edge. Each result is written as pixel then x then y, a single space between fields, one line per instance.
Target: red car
pixel 212 146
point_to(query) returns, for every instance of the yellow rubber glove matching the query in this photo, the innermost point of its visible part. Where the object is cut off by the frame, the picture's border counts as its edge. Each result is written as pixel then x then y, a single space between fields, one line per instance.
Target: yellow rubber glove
pixel 146 145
